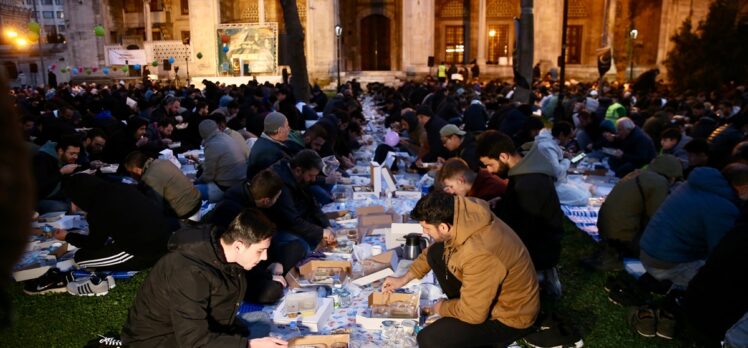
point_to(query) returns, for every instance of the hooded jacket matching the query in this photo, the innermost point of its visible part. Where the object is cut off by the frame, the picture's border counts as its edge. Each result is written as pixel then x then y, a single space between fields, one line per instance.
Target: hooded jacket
pixel 46 165
pixel 170 184
pixel 624 214
pixel 548 147
pixel 531 208
pixel 190 297
pixel 224 161
pixel 692 220
pixel 475 117
pixel 497 274
pixel 119 212
pixel 638 150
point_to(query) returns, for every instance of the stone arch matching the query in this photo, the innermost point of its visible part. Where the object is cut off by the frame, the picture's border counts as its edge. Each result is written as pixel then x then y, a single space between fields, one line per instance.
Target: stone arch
pixel 394 27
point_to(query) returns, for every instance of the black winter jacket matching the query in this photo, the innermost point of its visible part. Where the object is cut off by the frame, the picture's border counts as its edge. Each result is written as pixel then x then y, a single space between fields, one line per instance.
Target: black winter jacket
pixel 190 297
pixel 296 210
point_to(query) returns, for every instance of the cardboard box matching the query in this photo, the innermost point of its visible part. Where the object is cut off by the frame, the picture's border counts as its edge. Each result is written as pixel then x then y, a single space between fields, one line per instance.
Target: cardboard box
pixel 378 298
pixel 313 341
pixel 389 262
pixel 374 219
pixel 315 322
pixel 374 209
pixel 297 278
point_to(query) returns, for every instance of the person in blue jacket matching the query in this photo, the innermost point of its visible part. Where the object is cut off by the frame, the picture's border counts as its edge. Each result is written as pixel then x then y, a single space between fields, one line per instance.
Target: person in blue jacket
pixel 691 222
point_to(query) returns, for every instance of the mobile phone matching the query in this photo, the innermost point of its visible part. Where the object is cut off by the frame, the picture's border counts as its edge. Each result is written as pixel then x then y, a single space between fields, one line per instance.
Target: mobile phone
pixel 578 157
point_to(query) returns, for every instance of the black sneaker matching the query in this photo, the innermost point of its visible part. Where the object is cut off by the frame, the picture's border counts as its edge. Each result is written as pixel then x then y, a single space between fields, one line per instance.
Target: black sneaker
pixel 53 281
pixel 554 333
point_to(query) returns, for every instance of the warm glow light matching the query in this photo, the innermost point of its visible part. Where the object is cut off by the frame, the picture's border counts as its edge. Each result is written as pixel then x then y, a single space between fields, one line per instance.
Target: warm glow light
pixel 21 42
pixel 492 33
pixel 11 33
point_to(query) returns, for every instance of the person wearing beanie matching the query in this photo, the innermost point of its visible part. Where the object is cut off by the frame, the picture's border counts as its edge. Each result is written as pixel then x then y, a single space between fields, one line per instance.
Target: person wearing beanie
pixel 224 162
pixel 627 209
pixel 270 147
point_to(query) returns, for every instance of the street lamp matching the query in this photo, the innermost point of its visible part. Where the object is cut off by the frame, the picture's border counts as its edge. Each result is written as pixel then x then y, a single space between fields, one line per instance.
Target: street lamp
pixel 339 34
pixel 633 34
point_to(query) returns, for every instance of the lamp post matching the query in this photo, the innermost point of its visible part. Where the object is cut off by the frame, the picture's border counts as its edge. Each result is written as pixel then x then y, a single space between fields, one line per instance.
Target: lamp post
pixel 338 34
pixel 633 34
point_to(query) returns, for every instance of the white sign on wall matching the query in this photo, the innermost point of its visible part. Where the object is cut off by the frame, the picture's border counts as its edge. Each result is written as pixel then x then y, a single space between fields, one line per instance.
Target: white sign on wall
pixel 121 56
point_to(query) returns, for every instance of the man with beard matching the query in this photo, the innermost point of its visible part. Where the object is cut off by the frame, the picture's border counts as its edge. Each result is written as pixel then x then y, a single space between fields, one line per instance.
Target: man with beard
pixel 482 267
pixel 50 164
pixel 530 205
pixel 301 223
pixel 93 149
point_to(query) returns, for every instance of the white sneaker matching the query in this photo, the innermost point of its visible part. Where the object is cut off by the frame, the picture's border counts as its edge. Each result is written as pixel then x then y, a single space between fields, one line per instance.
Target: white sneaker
pixel 91 286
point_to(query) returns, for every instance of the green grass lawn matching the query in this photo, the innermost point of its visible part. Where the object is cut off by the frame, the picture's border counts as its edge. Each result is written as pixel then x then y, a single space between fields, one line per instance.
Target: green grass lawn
pixel 61 320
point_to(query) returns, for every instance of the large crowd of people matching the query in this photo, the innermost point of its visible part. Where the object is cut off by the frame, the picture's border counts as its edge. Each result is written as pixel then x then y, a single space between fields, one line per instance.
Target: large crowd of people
pixel 494 213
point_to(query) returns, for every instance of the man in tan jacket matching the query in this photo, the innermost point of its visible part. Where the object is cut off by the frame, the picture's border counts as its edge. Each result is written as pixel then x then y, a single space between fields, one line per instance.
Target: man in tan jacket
pixel 482 267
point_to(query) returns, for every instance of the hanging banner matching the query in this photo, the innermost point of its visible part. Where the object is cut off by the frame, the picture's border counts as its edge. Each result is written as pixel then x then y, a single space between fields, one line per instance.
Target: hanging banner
pixel 125 56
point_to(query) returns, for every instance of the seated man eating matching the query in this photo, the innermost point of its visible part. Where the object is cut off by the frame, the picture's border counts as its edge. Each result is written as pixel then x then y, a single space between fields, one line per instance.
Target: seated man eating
pixel 482 267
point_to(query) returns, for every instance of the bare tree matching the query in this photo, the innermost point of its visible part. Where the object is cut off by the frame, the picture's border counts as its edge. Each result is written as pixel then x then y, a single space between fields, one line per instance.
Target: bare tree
pixel 295 34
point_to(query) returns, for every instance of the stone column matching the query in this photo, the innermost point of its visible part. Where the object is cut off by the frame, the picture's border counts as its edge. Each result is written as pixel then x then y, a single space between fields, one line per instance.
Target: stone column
pixel 418 35
pixel 147 19
pixel 320 39
pixel 547 31
pixel 204 19
pixel 482 33
pixel 261 11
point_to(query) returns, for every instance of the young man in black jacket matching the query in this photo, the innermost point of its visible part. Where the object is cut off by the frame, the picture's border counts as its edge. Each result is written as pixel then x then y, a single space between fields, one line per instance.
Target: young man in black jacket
pixel 433 125
pixel 300 220
pixel 192 295
pixel 50 164
pixel 530 205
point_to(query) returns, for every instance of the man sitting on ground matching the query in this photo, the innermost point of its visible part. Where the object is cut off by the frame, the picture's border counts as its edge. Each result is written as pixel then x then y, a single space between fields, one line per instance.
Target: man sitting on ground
pixel 460 144
pixel 627 209
pixel 458 179
pixel 171 186
pixel 673 142
pixel 300 220
pixel 224 162
pixel 50 164
pixel 530 205
pixel 269 148
pixel 313 138
pixel 633 147
pixel 191 296
pixel 691 221
pixel 482 267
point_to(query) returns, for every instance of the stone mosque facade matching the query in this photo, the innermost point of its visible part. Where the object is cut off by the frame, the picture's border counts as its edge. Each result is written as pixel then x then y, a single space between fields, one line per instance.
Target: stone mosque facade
pixel 386 39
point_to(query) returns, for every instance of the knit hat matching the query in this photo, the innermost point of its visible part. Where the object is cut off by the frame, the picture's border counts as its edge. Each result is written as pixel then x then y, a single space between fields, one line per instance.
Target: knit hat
pixel 450 130
pixel 391 138
pixel 207 128
pixel 274 121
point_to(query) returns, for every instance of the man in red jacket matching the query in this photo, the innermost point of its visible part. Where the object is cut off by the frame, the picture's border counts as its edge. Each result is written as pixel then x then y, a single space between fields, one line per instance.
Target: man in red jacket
pixel 457 178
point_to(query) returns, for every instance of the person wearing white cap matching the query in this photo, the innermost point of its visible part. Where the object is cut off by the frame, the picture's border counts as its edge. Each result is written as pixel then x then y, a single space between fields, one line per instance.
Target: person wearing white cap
pixel 460 144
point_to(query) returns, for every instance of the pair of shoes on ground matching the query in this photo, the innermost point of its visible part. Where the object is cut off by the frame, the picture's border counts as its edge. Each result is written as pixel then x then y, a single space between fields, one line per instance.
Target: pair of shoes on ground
pixel 624 291
pixel 56 281
pixel 650 322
